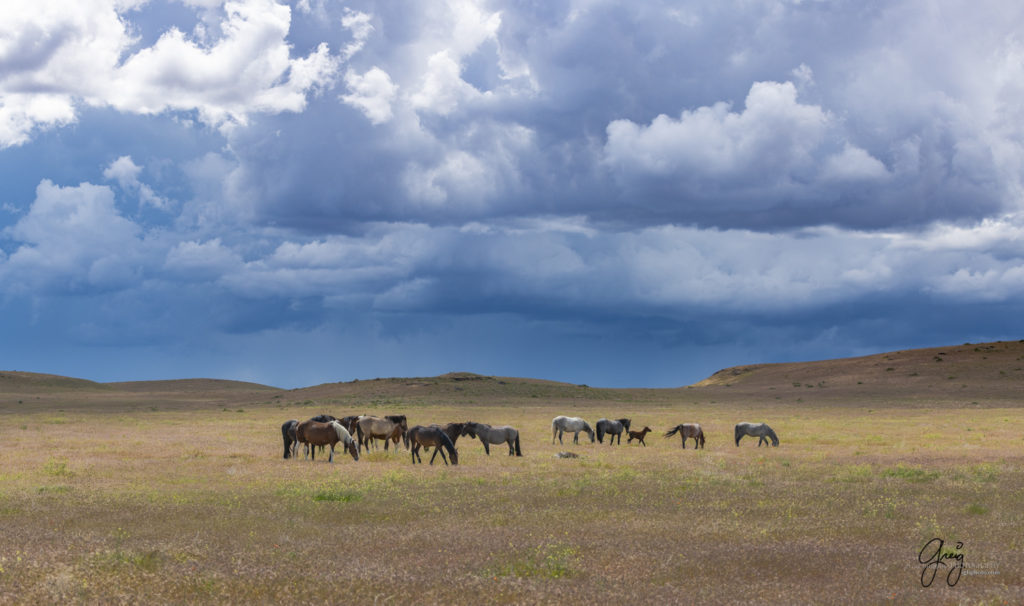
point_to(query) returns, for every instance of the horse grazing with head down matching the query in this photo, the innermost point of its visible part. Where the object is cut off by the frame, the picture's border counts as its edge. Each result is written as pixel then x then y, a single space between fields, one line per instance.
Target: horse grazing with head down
pixel 613 429
pixel 688 430
pixel 561 424
pixel 761 430
pixel 315 433
pixel 494 435
pixel 426 437
pixel 639 435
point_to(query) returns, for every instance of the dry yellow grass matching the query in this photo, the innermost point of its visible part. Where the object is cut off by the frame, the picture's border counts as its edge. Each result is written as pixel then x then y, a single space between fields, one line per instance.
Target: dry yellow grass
pixel 115 496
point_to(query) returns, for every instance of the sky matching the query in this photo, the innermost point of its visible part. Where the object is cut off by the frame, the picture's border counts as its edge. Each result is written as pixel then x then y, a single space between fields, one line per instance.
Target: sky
pixel 606 193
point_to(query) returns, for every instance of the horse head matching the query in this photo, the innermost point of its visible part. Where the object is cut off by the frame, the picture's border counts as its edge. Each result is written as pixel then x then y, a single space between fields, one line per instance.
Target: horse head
pixel 625 423
pixel 353 449
pixel 469 429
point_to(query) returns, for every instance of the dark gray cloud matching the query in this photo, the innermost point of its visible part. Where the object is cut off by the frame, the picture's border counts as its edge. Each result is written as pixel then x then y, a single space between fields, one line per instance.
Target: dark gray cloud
pixel 602 193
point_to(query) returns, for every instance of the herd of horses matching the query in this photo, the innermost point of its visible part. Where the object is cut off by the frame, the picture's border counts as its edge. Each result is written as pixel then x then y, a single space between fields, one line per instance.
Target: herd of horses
pixel 326 431
pixel 614 429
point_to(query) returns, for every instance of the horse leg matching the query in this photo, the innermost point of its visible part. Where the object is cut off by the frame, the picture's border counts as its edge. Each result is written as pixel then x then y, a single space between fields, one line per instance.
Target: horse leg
pixel 434 456
pixel 487 448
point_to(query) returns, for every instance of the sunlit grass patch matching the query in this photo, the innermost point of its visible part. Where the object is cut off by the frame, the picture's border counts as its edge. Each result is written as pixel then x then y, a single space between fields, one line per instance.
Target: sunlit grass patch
pixel 910 473
pixel 57 468
pixel 975 509
pixel 148 561
pixel 548 561
pixel 56 489
pixel 336 495
pixel 854 473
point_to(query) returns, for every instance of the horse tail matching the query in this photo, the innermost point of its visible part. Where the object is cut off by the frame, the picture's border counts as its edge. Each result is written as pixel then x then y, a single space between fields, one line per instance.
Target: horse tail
pixel 450 447
pixel 519 451
pixel 600 433
pixel 674 431
pixel 739 434
pixel 700 434
pixel 554 430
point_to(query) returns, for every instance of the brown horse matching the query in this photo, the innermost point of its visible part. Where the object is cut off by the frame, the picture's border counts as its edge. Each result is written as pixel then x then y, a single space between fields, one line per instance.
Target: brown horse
pixel 435 436
pixel 639 435
pixel 688 430
pixel 315 433
pixel 389 428
pixel 452 430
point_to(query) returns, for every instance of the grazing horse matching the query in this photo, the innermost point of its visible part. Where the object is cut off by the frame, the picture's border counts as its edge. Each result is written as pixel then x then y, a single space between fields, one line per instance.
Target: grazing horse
pixel 426 437
pixel 494 435
pixel 390 428
pixel 688 430
pixel 291 445
pixel 560 424
pixel 762 431
pixel 638 435
pixel 612 428
pixel 316 433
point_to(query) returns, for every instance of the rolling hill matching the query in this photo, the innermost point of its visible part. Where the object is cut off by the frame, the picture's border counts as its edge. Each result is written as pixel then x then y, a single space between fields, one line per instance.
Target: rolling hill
pixel 989 374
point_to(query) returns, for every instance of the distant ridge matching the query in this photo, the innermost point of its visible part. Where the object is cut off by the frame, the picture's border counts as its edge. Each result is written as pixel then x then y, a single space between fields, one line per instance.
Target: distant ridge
pixel 985 366
pixel 963 374
pixel 27 382
pixel 189 385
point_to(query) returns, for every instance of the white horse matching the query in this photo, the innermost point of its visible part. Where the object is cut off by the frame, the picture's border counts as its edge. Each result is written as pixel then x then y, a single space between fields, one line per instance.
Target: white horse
pixel 760 430
pixel 561 424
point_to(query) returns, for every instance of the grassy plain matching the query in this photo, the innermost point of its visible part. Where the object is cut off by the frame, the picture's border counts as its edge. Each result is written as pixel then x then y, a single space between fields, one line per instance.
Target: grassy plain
pixel 177 493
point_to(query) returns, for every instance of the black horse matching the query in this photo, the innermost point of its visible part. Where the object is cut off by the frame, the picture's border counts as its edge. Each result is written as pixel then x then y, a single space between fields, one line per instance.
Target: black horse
pixel 291 445
pixel 614 429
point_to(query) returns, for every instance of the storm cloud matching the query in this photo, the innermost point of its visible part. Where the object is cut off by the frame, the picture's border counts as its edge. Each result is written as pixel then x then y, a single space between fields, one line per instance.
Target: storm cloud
pixel 644 193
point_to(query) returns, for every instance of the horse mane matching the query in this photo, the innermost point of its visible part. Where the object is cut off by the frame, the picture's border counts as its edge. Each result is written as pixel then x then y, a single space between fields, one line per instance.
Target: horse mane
pixel 343 433
pixel 449 446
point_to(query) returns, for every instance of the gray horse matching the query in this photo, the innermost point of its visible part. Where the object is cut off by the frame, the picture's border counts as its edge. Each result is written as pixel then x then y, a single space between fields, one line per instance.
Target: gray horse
pixel 762 431
pixel 560 424
pixel 614 429
pixel 494 435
